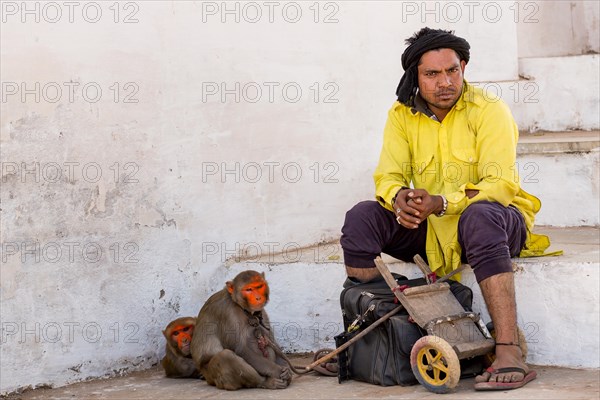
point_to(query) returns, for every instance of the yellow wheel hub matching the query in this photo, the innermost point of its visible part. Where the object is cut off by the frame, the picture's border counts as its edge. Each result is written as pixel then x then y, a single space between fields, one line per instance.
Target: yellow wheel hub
pixel 433 366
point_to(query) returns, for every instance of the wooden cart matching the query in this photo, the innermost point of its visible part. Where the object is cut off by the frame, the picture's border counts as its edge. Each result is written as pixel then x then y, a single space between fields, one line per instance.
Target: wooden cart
pixel 452 333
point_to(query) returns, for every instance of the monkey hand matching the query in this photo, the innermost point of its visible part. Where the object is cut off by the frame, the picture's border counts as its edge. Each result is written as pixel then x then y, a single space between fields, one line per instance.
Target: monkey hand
pixel 275 383
pixel 286 374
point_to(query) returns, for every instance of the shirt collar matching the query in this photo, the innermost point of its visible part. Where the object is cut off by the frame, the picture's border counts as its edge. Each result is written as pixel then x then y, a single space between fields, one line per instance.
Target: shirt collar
pixel 461 102
pixel 421 106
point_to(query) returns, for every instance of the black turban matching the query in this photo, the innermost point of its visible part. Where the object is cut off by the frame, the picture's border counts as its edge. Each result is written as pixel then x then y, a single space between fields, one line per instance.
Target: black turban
pixel 421 42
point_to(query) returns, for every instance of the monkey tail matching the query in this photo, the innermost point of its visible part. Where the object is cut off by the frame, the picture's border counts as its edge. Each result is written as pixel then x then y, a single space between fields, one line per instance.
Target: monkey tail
pixel 328 369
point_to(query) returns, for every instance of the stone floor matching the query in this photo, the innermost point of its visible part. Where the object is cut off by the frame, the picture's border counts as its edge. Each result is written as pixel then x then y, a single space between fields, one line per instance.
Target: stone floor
pixel 552 383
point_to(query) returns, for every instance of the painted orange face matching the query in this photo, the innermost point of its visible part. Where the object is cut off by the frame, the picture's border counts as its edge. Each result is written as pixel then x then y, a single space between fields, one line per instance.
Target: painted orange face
pixel 254 293
pixel 182 334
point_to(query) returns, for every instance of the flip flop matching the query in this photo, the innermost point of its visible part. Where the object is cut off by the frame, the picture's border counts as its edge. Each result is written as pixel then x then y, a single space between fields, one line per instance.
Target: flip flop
pixel 506 385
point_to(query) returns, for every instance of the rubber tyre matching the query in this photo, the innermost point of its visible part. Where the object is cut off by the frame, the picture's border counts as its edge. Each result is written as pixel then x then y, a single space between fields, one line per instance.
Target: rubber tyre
pixel 435 364
pixel 490 357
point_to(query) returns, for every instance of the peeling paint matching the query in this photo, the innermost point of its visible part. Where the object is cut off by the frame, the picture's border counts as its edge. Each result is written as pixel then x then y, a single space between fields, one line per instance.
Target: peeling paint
pixel 76 368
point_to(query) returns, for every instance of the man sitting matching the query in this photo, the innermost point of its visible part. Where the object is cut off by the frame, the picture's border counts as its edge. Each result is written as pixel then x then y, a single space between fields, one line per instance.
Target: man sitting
pixel 457 146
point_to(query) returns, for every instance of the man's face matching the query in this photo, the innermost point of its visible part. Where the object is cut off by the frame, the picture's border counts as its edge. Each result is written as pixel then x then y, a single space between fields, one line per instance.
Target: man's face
pixel 440 78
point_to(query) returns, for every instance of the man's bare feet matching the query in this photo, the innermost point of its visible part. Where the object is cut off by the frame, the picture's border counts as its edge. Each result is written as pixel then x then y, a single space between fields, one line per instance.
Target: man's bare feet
pixel 506 357
pixel 508 370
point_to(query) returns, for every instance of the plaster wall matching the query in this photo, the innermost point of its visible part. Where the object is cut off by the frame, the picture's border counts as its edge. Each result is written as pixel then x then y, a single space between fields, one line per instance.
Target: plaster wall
pixel 557 28
pixel 561 93
pixel 577 176
pixel 143 145
pixel 554 93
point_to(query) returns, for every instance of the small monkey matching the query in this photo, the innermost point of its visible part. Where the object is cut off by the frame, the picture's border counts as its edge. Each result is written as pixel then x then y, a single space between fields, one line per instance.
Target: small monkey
pixel 178 362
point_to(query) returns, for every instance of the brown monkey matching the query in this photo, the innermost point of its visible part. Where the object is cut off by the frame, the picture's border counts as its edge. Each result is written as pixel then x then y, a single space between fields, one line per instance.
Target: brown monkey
pixel 178 362
pixel 231 346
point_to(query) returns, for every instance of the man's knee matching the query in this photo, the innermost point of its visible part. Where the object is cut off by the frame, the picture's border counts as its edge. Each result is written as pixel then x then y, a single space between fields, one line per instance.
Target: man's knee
pixel 479 218
pixel 361 234
pixel 483 237
pixel 479 212
pixel 362 211
pixel 362 225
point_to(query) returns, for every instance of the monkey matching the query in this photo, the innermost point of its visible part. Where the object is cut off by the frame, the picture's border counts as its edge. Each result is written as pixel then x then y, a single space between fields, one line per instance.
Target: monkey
pixel 233 346
pixel 178 362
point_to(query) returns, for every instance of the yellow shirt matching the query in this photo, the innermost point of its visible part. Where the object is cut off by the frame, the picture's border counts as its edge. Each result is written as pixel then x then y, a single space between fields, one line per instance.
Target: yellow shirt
pixel 474 147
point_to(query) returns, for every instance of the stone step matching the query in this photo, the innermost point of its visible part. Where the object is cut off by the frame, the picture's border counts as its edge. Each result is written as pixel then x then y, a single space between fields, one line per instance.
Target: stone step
pixel 562 170
pixel 563 103
pixel 547 98
pixel 558 298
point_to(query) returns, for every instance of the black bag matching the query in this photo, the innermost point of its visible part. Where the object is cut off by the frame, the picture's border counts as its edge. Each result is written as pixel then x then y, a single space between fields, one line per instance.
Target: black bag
pixel 382 356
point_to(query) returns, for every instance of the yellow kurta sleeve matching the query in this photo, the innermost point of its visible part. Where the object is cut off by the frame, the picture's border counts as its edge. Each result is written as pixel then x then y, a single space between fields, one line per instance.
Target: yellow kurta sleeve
pixel 394 168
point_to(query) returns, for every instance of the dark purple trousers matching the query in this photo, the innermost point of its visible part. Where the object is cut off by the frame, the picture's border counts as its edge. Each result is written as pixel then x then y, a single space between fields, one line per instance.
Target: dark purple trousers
pixel 489 234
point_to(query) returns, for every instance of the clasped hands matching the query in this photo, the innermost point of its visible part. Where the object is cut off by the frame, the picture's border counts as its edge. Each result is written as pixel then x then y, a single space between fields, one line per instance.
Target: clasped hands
pixel 413 206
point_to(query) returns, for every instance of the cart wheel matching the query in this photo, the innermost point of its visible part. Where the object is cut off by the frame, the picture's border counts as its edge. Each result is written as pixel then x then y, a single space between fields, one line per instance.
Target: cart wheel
pixel 490 357
pixel 435 364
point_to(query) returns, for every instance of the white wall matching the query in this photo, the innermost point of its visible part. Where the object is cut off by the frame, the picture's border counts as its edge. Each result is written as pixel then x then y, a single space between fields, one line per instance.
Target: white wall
pixel 577 174
pixel 94 266
pixel 562 93
pixel 575 28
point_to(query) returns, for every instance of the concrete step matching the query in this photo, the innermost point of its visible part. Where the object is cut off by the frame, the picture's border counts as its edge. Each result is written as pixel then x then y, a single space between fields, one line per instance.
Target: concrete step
pixel 546 98
pixel 558 298
pixel 562 170
pixel 559 162
pixel 561 103
pixel 551 384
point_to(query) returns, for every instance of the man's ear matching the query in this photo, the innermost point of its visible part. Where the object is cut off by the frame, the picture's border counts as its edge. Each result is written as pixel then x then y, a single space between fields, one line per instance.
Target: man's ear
pixel 463 64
